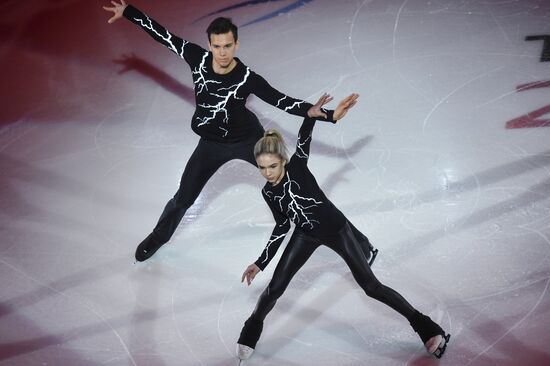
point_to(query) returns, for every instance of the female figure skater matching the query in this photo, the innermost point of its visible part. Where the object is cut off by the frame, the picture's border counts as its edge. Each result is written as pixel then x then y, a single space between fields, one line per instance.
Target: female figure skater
pixel 293 194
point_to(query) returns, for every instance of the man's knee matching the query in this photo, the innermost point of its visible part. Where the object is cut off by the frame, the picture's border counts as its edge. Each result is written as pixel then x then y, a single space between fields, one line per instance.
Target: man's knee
pixel 182 200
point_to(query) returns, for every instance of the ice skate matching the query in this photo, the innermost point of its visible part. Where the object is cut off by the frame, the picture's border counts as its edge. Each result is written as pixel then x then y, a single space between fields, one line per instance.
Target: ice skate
pixel 244 352
pixel 373 253
pixel 147 248
pixel 368 248
pixel 249 337
pixel 370 251
pixel 434 338
pixel 437 345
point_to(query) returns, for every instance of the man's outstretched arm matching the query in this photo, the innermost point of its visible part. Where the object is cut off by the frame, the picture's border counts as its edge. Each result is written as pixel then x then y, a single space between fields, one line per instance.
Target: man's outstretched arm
pixel 269 94
pixel 149 25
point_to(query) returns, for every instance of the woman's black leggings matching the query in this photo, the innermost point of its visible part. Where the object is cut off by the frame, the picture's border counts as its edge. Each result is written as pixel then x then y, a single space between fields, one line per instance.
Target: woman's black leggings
pixel 207 158
pixel 347 243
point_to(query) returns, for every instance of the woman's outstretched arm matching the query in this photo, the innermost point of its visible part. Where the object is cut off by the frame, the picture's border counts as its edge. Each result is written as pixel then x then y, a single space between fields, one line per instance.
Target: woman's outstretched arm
pixel 317 111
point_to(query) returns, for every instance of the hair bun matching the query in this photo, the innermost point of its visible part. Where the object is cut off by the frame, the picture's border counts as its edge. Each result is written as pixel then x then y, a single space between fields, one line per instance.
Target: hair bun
pixel 271 132
pixel 271 143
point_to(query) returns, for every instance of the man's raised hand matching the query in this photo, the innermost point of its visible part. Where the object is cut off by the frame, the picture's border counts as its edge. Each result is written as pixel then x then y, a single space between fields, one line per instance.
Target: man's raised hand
pixel 117 9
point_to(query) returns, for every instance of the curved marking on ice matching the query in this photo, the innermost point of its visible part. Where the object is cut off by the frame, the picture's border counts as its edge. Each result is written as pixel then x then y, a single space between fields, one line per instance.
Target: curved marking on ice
pixel 23 273
pixel 515 325
pixel 350 35
pixel 180 335
pixel 444 99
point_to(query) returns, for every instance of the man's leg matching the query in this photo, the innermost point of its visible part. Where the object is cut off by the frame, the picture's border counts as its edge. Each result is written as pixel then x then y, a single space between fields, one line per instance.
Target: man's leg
pixel 245 149
pixel 207 158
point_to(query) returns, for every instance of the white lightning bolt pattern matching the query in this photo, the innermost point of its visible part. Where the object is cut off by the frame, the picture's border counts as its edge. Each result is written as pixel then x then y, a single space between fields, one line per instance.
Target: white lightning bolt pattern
pixel 220 107
pixel 296 209
pixel 272 240
pixel 280 100
pixel 299 151
pixel 201 81
pixel 296 104
pixel 167 38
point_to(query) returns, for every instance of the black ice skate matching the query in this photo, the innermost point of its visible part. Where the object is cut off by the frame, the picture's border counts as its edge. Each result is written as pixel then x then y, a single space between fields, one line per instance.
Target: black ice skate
pixel 369 250
pixel 432 335
pixel 366 245
pixel 249 337
pixel 147 248
pixel 373 253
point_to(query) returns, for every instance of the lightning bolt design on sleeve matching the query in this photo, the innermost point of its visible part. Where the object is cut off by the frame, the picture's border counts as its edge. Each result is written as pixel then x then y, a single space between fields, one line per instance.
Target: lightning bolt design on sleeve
pixel 280 100
pixel 300 151
pixel 296 104
pixel 304 139
pixel 273 239
pixel 148 24
pixel 282 226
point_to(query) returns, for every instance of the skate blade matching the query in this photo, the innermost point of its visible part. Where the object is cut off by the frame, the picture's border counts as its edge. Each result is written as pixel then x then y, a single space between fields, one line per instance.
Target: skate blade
pixel 374 254
pixel 244 352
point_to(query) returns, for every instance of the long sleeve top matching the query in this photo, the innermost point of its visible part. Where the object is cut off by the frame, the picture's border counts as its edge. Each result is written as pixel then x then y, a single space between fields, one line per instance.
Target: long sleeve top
pixel 220 114
pixel 298 198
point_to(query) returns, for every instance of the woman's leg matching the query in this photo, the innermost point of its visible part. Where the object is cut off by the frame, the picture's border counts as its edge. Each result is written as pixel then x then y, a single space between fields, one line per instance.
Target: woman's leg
pixel 366 245
pixel 297 252
pixel 347 246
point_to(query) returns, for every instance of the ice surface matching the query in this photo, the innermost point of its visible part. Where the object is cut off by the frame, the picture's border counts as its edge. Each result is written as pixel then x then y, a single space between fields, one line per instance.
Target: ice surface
pixel 95 133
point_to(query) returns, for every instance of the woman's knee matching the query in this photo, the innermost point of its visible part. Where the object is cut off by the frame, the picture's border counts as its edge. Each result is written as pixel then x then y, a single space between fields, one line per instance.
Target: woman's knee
pixel 275 289
pixel 371 287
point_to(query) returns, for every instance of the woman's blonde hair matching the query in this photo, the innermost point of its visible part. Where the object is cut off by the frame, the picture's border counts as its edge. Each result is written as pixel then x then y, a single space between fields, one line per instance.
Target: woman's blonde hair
pixel 271 143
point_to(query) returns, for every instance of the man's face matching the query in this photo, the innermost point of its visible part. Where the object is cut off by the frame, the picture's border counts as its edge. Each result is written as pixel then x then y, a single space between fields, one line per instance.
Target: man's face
pixel 223 47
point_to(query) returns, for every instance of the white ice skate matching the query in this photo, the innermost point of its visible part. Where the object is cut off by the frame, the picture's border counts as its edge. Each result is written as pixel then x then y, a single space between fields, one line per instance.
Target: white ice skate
pixel 437 345
pixel 244 352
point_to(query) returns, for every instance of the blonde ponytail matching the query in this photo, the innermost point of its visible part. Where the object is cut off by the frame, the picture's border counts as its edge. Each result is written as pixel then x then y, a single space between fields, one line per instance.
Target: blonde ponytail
pixel 271 143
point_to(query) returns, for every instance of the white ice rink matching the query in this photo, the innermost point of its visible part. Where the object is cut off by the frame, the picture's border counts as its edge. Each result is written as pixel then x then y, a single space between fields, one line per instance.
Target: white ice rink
pixel 444 164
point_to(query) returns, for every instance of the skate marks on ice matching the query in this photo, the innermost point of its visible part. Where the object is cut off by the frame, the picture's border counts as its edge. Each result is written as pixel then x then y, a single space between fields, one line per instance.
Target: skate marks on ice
pixel 119 152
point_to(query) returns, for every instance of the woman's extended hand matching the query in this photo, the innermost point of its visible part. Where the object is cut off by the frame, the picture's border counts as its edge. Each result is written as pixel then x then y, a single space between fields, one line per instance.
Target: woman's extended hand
pixel 250 272
pixel 345 105
pixel 117 9
pixel 315 111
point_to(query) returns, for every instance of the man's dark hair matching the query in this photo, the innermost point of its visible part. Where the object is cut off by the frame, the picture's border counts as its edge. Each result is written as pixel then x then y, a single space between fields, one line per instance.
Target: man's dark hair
pixel 222 25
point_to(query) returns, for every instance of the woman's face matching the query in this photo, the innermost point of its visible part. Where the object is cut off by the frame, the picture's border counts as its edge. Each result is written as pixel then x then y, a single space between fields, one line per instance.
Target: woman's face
pixel 271 167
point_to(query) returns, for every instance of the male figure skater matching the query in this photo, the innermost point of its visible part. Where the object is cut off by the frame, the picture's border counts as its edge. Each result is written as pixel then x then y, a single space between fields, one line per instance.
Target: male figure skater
pixel 227 129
